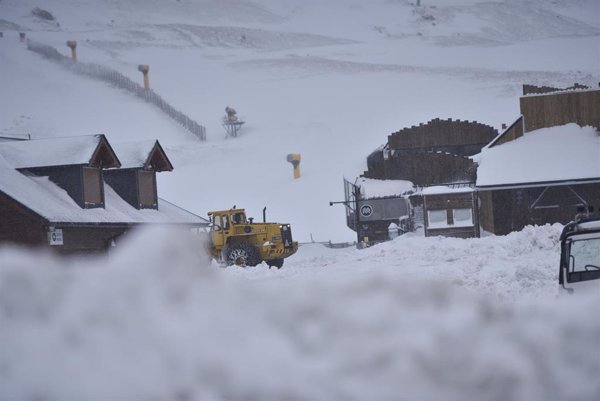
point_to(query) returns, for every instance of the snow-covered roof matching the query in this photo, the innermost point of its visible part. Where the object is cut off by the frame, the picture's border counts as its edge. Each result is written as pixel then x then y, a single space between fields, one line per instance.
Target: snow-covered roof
pixel 442 189
pixel 562 153
pixel 372 188
pixel 53 203
pixel 53 151
pixel 139 154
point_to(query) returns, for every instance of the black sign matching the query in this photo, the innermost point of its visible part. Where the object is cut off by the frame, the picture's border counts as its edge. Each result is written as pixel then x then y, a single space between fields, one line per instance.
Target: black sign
pixel 366 210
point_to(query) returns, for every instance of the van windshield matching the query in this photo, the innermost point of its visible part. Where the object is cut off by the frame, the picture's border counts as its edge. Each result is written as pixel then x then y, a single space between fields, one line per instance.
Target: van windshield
pixel 584 253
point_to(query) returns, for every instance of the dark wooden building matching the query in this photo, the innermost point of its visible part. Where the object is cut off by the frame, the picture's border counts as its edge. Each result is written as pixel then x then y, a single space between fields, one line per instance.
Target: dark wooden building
pixel 510 208
pixel 431 154
pixel 544 166
pixel 450 212
pixel 53 193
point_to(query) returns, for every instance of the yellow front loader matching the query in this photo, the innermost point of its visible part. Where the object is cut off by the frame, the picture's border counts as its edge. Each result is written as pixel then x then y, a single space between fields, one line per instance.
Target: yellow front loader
pixel 236 240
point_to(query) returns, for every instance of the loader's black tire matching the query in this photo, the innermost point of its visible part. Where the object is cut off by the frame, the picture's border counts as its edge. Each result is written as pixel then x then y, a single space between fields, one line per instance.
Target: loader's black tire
pixel 275 262
pixel 242 254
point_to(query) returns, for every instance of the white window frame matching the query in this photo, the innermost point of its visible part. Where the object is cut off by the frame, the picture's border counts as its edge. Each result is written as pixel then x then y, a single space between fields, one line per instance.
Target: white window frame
pixel 460 224
pixel 437 224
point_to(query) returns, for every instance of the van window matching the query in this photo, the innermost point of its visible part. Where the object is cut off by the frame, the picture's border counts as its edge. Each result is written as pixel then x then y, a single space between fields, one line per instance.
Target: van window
pixel 585 255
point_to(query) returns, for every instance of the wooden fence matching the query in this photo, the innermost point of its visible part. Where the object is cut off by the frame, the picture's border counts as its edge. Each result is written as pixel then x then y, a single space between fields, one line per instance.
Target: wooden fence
pixel 549 110
pixel 105 74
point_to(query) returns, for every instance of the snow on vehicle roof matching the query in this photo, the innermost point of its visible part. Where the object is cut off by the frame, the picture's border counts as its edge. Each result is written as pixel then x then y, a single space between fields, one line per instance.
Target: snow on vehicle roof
pixel 53 203
pixel 567 152
pixel 372 188
pixel 51 151
pixel 590 225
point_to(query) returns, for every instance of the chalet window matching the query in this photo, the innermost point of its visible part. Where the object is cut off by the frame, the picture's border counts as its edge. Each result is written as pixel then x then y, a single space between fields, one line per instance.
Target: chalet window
pixel 147 188
pixel 92 187
pixel 462 217
pixel 437 218
pixel 446 218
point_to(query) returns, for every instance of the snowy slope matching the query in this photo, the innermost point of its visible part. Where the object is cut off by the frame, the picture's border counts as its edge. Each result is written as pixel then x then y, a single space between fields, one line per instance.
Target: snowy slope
pixel 329 80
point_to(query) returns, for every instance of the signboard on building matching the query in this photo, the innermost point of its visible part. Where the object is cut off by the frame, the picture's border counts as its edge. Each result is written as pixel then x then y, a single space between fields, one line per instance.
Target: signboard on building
pixel 55 236
pixel 383 209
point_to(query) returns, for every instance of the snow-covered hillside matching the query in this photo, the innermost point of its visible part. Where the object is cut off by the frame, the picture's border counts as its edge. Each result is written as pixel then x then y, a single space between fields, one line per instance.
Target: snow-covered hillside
pixel 329 80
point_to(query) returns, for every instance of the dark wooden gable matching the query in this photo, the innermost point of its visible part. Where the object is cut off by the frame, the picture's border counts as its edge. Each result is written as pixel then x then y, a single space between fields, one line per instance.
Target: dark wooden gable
pixel 104 156
pixel 157 159
pixel 510 134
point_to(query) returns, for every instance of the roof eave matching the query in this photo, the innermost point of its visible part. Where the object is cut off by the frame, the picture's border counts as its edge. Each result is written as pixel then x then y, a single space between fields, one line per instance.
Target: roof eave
pixel 572 181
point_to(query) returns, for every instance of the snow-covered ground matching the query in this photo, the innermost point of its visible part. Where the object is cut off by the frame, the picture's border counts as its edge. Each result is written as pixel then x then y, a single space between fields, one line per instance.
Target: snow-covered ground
pixel 416 318
pixel 412 319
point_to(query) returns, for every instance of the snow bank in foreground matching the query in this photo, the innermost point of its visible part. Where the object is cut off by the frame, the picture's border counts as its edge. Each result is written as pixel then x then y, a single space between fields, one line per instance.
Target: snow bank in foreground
pixel 156 322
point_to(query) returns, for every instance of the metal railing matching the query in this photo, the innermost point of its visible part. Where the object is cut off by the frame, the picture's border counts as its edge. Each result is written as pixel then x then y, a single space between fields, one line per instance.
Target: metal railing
pixel 115 78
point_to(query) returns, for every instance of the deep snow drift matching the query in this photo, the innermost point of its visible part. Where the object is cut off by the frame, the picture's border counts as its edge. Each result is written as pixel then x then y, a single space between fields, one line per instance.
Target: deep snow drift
pixel 416 318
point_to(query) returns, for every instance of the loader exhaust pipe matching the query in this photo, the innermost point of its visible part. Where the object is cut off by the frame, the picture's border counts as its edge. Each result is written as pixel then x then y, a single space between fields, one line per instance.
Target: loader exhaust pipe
pixel 265 214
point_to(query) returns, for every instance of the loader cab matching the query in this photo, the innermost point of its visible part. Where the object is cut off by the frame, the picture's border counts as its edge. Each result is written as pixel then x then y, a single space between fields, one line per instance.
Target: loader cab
pixel 223 220
pixel 580 256
pixel 222 224
pixel 238 218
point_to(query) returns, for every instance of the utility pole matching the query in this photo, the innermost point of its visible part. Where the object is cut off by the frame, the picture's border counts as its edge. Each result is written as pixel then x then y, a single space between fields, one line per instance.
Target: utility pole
pixel 356 193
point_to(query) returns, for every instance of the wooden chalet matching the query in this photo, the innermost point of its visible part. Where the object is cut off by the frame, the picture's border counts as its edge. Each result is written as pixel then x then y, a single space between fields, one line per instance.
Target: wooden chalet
pixel 544 166
pixel 70 193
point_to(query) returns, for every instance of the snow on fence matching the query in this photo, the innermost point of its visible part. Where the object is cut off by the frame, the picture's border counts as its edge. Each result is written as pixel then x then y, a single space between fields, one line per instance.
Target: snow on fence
pixel 119 80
